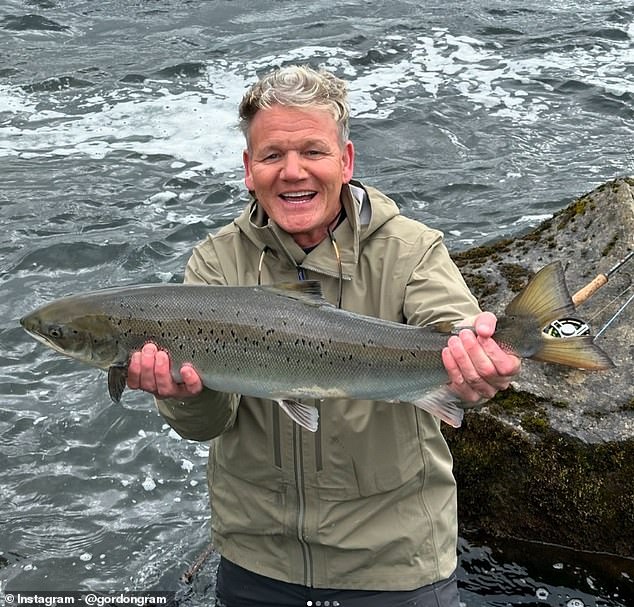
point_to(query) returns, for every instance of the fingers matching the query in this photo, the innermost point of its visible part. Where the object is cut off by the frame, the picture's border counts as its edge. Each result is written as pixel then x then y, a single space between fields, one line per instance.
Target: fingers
pixel 191 379
pixel 468 367
pixel 150 370
pixel 476 365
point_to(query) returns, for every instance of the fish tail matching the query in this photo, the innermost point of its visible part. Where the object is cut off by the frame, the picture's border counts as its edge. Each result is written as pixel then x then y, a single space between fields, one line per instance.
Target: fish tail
pixel 546 298
pixel 578 352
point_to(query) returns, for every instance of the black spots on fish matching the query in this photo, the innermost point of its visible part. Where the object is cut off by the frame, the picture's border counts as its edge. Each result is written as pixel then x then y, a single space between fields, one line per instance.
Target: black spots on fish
pixel 295 361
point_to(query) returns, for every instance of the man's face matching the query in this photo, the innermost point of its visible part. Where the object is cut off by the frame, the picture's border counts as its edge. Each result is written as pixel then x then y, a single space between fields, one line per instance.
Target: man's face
pixel 296 166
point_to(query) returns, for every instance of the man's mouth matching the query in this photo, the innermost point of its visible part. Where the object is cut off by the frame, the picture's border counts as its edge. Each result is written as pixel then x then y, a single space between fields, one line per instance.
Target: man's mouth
pixel 298 197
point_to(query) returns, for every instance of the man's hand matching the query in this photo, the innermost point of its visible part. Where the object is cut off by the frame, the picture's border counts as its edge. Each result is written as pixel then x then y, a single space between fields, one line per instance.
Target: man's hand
pixel 149 370
pixel 476 365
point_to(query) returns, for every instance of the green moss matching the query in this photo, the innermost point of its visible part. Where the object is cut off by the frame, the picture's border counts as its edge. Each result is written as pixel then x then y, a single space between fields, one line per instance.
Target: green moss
pixel 608 247
pixel 513 401
pixel 516 276
pixel 534 422
pixel 479 285
pixel 480 255
pixel 564 491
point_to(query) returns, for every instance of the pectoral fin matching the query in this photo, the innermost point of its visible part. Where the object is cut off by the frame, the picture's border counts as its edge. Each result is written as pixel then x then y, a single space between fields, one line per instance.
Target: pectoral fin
pixel 306 416
pixel 117 378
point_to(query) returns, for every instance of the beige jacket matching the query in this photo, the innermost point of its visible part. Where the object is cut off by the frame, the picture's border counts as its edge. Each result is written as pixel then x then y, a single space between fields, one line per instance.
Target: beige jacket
pixel 369 501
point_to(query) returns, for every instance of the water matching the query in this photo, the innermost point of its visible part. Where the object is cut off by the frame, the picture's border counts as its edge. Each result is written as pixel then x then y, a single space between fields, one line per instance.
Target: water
pixel 119 151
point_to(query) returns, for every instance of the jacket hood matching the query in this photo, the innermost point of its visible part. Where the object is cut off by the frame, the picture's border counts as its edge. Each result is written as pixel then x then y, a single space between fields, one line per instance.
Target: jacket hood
pixel 367 210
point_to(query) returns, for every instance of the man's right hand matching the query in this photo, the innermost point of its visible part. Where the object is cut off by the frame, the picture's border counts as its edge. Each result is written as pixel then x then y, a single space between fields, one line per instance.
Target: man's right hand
pixel 149 370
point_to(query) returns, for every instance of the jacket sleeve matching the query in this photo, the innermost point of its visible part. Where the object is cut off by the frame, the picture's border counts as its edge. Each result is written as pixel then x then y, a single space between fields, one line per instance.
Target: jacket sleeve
pixel 436 291
pixel 210 413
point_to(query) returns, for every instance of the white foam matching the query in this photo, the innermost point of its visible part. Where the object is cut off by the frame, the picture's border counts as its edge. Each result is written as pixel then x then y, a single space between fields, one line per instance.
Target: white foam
pixel 148 484
pixel 186 126
pixel 532 219
pixel 199 126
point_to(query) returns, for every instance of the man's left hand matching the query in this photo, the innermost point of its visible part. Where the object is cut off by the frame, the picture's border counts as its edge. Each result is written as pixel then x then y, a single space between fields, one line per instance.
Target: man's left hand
pixel 477 367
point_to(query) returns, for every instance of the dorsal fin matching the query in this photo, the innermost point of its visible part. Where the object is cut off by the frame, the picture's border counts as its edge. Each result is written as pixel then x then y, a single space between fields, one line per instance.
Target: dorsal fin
pixel 308 291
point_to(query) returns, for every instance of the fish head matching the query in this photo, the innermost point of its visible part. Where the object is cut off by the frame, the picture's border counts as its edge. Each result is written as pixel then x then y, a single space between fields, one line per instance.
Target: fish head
pixel 73 331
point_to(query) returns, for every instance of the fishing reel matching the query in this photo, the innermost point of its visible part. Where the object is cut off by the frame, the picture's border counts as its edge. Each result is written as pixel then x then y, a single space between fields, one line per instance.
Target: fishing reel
pixel 567 327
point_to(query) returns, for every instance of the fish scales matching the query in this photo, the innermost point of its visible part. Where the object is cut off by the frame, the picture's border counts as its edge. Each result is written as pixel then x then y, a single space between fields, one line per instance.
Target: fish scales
pixel 248 342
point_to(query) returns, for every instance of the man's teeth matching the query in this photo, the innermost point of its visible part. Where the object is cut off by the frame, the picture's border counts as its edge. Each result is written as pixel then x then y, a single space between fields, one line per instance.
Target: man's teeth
pixel 298 196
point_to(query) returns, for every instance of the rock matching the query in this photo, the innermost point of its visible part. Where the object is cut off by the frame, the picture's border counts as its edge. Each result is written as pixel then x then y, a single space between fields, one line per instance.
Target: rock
pixel 552 458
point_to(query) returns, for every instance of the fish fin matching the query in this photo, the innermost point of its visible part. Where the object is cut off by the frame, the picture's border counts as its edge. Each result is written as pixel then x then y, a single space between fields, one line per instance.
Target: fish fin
pixel 117 379
pixel 442 403
pixel 306 416
pixel 578 352
pixel 545 297
pixel 308 291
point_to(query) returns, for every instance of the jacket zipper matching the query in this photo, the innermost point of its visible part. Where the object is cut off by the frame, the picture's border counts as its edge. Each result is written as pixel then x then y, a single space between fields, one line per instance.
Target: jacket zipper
pixel 301 506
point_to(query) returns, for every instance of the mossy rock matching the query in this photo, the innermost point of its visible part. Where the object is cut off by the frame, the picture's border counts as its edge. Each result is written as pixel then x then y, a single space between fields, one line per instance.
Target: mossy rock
pixel 552 459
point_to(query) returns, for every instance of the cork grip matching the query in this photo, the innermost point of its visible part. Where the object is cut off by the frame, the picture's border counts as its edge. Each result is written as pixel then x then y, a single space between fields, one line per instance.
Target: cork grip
pixel 589 290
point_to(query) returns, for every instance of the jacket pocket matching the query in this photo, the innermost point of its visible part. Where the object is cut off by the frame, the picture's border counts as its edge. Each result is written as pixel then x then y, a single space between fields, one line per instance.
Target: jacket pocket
pixel 368 448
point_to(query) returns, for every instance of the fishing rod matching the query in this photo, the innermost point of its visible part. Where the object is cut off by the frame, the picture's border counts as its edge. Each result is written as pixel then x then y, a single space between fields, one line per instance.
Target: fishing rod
pixel 619 311
pixel 583 294
pixel 573 327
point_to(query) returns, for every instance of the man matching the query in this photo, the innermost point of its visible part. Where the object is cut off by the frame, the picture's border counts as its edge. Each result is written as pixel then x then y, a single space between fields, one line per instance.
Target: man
pixel 362 513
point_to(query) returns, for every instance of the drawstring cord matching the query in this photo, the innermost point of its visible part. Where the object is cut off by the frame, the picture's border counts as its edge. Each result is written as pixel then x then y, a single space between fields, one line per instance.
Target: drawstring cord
pixel 300 270
pixel 339 265
pixel 260 264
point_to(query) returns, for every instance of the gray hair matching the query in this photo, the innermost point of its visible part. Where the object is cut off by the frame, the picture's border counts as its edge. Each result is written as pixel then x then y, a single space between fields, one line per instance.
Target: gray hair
pixel 300 87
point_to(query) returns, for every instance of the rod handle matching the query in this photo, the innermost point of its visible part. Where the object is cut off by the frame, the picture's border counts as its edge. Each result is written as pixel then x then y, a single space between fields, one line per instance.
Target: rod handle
pixel 589 290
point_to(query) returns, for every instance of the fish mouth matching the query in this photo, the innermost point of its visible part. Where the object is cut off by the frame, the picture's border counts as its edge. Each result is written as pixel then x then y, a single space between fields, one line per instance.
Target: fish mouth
pixel 299 197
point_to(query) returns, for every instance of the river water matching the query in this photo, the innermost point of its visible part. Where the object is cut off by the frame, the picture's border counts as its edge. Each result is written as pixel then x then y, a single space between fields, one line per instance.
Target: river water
pixel 119 151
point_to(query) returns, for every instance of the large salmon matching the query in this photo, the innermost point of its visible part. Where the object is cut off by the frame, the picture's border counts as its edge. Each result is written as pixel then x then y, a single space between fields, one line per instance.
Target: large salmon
pixel 285 343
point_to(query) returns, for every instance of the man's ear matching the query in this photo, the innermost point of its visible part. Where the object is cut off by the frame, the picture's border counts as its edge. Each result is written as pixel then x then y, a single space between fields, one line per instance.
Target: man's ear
pixel 348 161
pixel 248 177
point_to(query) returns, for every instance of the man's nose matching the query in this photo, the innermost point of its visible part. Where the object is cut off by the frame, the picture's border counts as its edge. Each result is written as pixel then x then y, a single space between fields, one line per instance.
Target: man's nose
pixel 293 167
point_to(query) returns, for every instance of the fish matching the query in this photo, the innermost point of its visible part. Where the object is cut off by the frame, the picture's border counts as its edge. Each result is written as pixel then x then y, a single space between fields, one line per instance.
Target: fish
pixel 284 342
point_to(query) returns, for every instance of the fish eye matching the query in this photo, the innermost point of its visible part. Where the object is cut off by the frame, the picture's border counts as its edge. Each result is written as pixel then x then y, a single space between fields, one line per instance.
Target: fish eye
pixel 55 331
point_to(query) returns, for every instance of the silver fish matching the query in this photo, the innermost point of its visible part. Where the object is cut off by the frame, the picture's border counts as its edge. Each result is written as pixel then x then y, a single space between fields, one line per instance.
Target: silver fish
pixel 286 343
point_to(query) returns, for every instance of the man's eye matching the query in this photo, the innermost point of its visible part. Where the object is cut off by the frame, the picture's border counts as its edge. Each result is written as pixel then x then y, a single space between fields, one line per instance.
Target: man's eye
pixel 314 153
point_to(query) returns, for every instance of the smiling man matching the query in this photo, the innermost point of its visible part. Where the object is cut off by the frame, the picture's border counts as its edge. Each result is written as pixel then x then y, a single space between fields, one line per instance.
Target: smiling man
pixel 296 164
pixel 363 512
